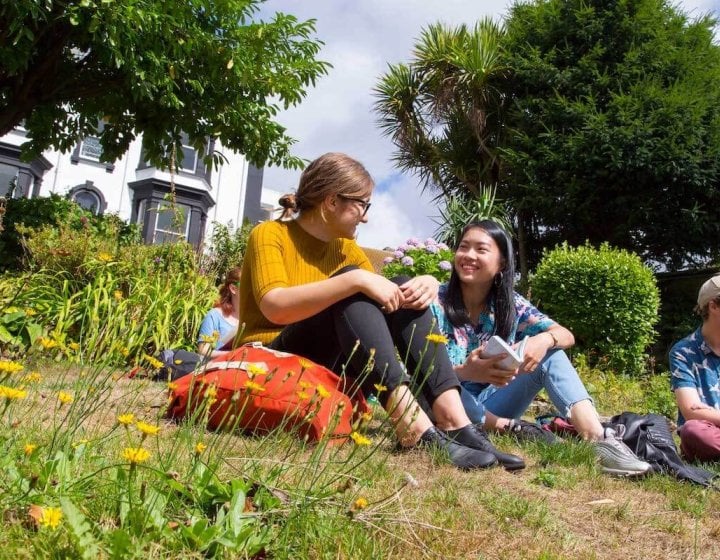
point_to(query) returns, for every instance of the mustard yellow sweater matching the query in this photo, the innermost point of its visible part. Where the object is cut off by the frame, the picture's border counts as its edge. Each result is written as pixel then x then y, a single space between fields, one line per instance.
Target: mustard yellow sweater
pixel 282 254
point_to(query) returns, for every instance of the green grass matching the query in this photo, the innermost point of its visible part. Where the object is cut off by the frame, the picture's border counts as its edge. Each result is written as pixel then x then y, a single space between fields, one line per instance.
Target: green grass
pixel 245 496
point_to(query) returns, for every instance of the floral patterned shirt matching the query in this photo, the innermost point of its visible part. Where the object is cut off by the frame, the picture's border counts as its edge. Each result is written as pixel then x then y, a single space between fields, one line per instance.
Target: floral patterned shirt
pixel 529 321
pixel 693 364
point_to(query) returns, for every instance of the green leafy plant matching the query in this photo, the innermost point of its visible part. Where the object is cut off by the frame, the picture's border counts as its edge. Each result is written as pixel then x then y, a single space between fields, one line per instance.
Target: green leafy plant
pixel 415 258
pixel 607 297
pixel 18 328
pixel 466 207
pixel 60 228
pixel 227 248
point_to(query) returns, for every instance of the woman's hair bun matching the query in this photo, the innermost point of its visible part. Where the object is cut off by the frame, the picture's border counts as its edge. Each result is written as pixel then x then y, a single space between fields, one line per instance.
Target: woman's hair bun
pixel 288 202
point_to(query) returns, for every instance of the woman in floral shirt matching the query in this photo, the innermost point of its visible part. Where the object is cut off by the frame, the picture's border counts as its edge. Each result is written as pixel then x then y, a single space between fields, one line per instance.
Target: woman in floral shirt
pixel 479 302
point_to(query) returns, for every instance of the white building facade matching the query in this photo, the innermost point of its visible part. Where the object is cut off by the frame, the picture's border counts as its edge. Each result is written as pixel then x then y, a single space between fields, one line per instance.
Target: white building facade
pixel 137 192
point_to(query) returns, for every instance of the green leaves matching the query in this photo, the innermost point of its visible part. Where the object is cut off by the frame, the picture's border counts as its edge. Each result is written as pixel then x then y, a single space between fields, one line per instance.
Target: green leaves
pixel 615 126
pixel 65 66
pixel 443 110
pixel 605 296
pixel 81 530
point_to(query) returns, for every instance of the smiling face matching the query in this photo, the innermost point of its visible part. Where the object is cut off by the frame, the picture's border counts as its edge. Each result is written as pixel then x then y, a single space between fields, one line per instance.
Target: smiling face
pixel 346 212
pixel 478 258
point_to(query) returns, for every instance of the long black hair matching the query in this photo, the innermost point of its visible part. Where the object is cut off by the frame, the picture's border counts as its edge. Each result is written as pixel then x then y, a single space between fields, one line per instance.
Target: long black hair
pixel 501 291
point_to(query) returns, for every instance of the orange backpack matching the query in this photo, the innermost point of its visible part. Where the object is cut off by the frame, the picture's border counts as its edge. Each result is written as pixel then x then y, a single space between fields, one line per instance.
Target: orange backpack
pixel 257 389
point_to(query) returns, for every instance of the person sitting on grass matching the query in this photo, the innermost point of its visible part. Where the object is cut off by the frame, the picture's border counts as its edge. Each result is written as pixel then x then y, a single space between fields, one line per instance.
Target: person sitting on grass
pixel 478 302
pixel 310 290
pixel 695 379
pixel 220 325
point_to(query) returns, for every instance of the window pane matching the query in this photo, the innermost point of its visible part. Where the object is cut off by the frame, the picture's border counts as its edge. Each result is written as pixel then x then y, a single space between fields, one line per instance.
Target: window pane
pixel 170 221
pixel 88 200
pixel 167 237
pixel 8 178
pixel 189 161
pixel 90 148
pixel 141 212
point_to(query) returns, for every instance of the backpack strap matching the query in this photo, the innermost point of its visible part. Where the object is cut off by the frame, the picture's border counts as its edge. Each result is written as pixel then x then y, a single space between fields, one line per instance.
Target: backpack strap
pixel 237 364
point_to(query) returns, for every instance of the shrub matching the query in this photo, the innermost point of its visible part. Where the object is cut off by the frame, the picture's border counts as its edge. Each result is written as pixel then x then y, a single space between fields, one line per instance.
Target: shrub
pixel 227 249
pixel 415 258
pixel 25 216
pixel 614 393
pixel 607 297
pixel 95 289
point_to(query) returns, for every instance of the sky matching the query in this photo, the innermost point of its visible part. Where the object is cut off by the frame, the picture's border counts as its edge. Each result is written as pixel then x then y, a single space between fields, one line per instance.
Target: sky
pixel 361 37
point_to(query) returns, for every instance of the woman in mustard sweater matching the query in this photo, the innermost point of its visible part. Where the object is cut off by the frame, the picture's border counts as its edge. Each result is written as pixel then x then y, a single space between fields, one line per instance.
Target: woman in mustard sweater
pixel 309 289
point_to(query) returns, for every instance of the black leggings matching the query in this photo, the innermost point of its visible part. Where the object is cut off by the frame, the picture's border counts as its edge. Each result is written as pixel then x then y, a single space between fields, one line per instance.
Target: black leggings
pixel 345 333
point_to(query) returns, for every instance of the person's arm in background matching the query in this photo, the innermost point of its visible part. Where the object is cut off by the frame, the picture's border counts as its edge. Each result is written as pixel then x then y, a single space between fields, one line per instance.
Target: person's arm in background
pixel 692 408
pixel 208 335
pixel 684 386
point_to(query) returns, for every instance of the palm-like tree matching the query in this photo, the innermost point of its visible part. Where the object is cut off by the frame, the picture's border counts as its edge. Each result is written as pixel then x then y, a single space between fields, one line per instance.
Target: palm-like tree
pixel 444 110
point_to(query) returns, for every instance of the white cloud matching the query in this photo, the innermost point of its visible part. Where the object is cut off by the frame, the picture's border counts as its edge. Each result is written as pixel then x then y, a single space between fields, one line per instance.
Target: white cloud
pixel 361 38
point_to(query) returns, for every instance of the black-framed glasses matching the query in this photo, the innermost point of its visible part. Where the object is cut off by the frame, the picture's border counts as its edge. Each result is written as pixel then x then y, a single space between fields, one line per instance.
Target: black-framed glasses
pixel 364 203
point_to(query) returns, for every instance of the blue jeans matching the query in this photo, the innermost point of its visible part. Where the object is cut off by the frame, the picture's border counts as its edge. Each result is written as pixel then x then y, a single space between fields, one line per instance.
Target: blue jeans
pixel 555 373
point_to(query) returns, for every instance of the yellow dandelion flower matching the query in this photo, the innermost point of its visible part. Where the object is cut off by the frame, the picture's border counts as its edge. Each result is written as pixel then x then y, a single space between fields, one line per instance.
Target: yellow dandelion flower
pixel 360 503
pixel 29 448
pixel 104 257
pixel 118 295
pixel 304 384
pixel 172 386
pixel 126 419
pixel 74 346
pixel 210 338
pixel 147 429
pixel 305 363
pixel 10 393
pixel 211 392
pixel 322 392
pixel 135 455
pixel 366 416
pixel 125 352
pixel 436 338
pixel 10 367
pixel 379 387
pixel 30 312
pixel 50 517
pixel 252 386
pixel 200 447
pixel 360 439
pixel 47 343
pixel 65 398
pixel 32 377
pixel 255 369
pixel 153 362
pixel 302 395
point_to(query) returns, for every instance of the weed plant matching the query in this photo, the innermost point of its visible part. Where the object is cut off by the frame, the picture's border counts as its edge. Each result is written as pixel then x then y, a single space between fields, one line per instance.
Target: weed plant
pixel 89 468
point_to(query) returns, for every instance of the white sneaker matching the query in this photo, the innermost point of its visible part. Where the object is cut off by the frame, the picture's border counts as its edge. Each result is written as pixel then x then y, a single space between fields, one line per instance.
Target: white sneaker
pixel 616 458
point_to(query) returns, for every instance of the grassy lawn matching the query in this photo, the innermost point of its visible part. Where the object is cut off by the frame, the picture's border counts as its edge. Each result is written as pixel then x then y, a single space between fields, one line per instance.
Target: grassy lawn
pixel 202 494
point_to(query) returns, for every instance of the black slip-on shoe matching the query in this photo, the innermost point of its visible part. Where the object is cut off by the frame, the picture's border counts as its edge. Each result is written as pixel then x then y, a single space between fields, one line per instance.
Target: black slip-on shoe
pixel 460 455
pixel 529 431
pixel 475 437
